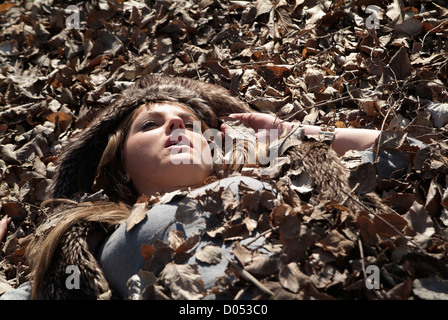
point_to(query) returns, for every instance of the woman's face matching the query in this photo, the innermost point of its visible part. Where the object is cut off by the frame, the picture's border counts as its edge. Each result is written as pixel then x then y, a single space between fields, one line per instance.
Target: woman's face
pixel 164 150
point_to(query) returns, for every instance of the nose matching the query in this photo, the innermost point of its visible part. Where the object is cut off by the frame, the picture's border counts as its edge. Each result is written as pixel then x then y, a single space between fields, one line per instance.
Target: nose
pixel 175 123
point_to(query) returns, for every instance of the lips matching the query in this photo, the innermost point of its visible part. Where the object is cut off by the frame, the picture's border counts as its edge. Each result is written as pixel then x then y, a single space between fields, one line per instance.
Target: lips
pixel 180 140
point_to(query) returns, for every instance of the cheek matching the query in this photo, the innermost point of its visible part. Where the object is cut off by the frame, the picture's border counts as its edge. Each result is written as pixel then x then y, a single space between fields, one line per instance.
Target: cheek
pixel 203 149
pixel 137 151
pixel 206 152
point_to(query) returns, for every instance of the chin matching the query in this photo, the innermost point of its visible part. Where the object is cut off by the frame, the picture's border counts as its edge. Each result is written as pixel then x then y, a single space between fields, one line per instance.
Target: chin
pixel 173 177
pixel 187 159
pixel 194 173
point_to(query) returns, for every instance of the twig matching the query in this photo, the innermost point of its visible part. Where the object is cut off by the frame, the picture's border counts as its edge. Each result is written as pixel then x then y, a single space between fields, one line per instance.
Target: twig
pixel 383 124
pixel 251 63
pixel 316 105
pixel 351 192
pixel 261 235
pixel 363 265
pixel 246 275
pixel 437 26
pixel 386 222
pixel 361 253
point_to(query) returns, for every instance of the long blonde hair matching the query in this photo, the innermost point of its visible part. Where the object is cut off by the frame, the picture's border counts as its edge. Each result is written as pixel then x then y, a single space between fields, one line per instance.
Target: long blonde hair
pixel 41 249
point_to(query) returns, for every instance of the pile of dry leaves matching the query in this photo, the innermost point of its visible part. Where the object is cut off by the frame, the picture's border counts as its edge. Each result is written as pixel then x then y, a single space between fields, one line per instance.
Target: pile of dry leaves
pixel 345 63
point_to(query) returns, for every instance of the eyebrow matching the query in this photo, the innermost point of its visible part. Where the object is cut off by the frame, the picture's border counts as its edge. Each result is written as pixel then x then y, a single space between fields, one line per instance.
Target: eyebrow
pixel 157 114
pixel 183 115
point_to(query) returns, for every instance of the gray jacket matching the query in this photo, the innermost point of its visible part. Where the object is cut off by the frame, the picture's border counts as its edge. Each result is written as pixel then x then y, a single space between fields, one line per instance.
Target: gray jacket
pixel 120 254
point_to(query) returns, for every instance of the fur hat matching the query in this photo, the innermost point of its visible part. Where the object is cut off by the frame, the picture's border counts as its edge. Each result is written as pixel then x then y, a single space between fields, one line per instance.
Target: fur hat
pixel 78 163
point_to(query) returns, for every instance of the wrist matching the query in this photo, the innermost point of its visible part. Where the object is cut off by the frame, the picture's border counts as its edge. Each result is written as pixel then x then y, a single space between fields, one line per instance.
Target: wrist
pixel 327 133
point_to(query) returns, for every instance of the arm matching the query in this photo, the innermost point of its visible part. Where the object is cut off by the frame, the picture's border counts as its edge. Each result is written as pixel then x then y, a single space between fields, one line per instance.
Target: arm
pixel 344 139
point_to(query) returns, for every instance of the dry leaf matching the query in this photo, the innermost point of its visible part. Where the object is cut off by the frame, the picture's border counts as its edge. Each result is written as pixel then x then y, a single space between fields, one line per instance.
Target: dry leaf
pixel 187 210
pixel 138 213
pixel 418 218
pixel 263 265
pixel 292 278
pixel 389 224
pixel 400 64
pixel 209 254
pixel 183 281
pixel 337 244
pixel 431 288
pixel 14 210
pixel 147 251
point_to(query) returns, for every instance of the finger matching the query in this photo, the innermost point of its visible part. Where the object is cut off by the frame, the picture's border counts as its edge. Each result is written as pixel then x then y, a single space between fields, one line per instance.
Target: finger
pixel 5 221
pixel 3 226
pixel 249 118
pixel 237 115
pixel 223 128
pixel 244 117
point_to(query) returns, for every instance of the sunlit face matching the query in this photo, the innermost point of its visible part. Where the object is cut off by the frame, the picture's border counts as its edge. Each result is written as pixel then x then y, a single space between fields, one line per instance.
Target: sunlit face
pixel 165 150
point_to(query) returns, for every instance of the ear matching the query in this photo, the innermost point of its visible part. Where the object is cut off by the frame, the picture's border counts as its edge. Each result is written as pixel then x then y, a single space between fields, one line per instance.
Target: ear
pixel 126 178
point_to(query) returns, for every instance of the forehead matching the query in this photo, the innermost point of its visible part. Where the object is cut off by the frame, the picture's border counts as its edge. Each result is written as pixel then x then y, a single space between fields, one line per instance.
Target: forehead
pixel 164 108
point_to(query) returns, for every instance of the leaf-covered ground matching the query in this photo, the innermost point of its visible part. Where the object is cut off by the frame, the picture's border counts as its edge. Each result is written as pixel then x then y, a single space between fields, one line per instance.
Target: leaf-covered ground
pixel 362 64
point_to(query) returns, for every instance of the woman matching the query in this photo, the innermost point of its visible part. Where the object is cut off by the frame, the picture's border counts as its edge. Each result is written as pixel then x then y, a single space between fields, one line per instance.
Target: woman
pixel 148 145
